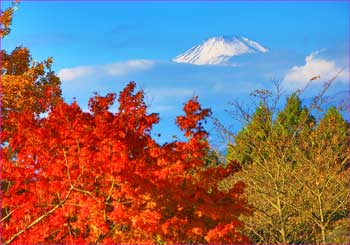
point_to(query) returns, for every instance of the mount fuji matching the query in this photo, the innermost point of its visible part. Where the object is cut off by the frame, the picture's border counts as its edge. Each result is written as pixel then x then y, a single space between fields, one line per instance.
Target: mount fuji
pixel 219 50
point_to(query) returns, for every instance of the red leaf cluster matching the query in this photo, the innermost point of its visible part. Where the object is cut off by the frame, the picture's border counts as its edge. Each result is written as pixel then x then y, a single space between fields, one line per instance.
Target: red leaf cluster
pixel 99 177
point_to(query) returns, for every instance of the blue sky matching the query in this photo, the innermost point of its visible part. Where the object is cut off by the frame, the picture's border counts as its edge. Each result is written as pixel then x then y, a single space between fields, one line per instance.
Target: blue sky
pixel 137 40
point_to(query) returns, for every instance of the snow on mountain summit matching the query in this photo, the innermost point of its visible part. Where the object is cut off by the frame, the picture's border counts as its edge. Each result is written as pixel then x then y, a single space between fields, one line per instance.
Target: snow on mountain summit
pixel 219 50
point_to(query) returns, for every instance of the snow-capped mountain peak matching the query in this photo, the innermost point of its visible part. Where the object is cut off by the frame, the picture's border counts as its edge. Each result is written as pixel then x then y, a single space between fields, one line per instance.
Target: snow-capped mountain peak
pixel 219 50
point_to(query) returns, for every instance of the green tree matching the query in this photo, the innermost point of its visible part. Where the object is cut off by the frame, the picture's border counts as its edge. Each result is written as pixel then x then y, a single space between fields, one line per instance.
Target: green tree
pixel 243 149
pixel 296 176
pixel 290 120
pixel 333 129
pixel 324 175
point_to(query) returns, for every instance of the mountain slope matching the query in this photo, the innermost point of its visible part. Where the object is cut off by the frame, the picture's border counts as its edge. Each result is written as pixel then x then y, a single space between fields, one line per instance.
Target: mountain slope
pixel 219 50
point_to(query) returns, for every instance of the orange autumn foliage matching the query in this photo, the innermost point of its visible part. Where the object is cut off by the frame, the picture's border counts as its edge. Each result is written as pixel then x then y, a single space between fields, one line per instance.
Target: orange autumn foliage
pixel 99 177
pixel 27 85
pixel 6 19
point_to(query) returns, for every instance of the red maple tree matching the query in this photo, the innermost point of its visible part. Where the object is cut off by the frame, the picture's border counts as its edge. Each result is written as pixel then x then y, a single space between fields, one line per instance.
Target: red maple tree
pixel 99 177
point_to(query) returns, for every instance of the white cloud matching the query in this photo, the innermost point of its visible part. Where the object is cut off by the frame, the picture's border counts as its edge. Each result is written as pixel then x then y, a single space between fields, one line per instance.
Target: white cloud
pixel 239 87
pixel 158 99
pixel 122 68
pixel 299 76
pixel 69 74
pixel 162 108
pixel 159 94
pixel 114 69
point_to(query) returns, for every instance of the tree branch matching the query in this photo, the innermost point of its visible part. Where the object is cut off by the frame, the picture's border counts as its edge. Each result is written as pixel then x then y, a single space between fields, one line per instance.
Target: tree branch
pixel 40 218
